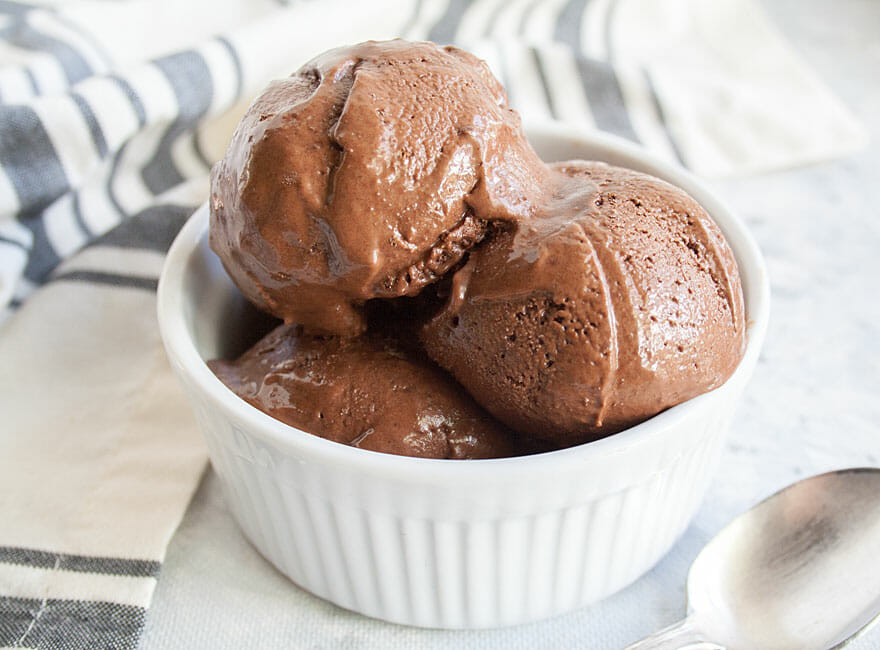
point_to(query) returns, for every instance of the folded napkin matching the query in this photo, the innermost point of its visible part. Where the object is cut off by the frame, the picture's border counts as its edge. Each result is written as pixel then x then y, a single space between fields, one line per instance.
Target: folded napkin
pixel 110 117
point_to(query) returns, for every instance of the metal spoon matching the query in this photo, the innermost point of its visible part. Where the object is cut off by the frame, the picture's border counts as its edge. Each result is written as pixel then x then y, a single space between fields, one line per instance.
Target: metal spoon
pixel 799 571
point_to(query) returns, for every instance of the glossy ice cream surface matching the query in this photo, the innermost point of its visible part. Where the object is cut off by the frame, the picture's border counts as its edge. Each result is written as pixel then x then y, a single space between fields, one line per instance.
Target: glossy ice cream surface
pixel 368 173
pixel 569 301
pixel 368 392
pixel 620 299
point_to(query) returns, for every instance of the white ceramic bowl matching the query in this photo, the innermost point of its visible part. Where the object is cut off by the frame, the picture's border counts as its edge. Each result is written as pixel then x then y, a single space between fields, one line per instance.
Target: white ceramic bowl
pixel 444 543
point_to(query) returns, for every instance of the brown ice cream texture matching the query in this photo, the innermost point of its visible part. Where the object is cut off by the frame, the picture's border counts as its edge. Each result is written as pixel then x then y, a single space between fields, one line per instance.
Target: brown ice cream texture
pixel 368 173
pixel 566 301
pixel 367 391
pixel 619 300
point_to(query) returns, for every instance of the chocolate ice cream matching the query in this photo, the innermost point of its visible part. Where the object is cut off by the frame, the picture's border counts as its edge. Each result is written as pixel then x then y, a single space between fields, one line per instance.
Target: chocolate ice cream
pixel 368 392
pixel 570 301
pixel 619 300
pixel 367 173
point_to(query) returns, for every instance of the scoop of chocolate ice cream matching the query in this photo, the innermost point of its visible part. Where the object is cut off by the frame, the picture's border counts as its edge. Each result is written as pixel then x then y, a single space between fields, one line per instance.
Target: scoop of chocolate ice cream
pixel 620 300
pixel 367 173
pixel 368 392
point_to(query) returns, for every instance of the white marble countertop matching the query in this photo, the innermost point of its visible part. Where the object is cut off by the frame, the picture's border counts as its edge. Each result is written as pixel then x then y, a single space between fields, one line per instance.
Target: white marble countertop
pixel 812 405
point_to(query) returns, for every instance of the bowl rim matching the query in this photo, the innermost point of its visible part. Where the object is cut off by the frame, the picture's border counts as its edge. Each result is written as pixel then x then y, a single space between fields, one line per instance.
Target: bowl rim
pixel 181 349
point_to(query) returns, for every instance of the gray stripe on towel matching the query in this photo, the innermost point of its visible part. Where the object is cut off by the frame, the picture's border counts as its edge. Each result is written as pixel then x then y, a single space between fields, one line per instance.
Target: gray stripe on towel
pixel 52 624
pixel 568 25
pixel 32 80
pixel 13 242
pixel 189 76
pixel 43 257
pixel 605 97
pixel 75 66
pixel 153 228
pixel 95 129
pixel 444 30
pixel 28 157
pixel 137 104
pixel 109 279
pixel 80 563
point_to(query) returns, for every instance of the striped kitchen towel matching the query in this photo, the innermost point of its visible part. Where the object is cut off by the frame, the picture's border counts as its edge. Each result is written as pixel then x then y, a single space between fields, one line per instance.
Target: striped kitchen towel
pixel 110 116
pixel 98 453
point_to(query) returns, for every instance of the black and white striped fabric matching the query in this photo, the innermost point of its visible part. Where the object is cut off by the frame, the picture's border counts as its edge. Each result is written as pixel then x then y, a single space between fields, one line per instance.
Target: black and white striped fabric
pixel 110 117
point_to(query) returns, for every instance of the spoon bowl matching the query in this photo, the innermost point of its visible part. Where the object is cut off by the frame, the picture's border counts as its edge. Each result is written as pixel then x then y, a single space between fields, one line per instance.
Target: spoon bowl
pixel 800 570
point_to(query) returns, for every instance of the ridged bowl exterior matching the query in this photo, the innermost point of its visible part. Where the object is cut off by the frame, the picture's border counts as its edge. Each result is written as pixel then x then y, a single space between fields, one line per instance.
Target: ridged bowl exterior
pixel 455 544
pixel 473 566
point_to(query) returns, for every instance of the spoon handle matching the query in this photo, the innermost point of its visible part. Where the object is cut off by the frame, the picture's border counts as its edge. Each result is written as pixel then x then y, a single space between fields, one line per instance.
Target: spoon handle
pixel 679 636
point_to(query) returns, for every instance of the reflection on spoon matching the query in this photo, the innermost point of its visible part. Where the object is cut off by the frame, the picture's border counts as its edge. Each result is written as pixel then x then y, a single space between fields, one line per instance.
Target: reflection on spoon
pixel 799 571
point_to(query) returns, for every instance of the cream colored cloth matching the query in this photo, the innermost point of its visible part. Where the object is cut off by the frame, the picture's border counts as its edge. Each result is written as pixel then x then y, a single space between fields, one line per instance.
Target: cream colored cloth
pixel 99 453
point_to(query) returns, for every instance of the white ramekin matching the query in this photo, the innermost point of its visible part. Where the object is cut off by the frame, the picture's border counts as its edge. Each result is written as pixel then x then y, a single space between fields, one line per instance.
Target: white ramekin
pixel 455 544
